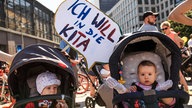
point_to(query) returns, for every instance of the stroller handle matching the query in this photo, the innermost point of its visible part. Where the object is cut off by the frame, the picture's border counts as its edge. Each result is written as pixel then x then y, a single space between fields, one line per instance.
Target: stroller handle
pixel 184 96
pixel 44 97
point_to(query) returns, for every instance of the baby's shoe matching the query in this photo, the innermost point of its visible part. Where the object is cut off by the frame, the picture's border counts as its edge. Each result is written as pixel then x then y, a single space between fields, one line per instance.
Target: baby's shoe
pixel 114 84
pixel 165 85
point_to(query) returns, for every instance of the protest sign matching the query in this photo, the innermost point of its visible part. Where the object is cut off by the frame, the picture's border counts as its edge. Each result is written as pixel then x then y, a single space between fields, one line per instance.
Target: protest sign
pixel 87 30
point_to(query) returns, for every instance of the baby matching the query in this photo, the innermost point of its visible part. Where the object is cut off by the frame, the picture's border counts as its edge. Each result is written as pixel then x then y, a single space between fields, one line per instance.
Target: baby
pixel 47 83
pixel 146 72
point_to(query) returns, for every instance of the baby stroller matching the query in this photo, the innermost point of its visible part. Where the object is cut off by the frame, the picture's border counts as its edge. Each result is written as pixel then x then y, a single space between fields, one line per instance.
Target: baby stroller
pixel 32 61
pixel 103 95
pixel 153 46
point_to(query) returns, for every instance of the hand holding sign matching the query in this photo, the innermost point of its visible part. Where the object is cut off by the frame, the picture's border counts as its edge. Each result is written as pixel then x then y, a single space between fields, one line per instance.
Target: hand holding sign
pixel 87 30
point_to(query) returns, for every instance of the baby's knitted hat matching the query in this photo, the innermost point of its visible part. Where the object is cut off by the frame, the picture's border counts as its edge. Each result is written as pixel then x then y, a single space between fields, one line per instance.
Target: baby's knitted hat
pixel 46 79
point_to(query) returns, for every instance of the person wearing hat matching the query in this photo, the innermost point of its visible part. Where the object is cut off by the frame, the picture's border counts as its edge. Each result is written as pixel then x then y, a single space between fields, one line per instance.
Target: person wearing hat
pixel 47 83
pixel 149 20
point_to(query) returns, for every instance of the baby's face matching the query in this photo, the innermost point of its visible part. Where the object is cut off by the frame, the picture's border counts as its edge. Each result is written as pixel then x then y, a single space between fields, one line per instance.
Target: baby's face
pixel 147 75
pixel 49 90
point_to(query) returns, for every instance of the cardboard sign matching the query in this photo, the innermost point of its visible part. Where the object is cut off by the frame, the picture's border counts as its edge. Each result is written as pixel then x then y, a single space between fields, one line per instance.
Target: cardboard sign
pixel 87 30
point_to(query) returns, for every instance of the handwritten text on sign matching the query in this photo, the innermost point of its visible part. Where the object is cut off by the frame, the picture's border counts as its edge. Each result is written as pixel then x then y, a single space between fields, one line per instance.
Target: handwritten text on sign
pixel 87 30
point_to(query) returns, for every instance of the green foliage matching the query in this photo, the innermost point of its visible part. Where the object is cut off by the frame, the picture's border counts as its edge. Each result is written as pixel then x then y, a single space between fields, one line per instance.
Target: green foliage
pixel 183 30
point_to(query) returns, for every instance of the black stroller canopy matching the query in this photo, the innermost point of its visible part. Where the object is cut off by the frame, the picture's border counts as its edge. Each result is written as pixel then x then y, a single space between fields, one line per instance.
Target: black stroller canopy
pixel 33 60
pixel 147 41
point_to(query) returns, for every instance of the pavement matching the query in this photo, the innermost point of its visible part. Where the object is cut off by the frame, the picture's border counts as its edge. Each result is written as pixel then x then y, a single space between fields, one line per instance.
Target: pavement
pixel 80 98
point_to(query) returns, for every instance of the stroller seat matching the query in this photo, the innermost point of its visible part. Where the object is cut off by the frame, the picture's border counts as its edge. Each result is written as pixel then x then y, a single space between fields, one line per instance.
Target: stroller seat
pixel 32 86
pixel 131 61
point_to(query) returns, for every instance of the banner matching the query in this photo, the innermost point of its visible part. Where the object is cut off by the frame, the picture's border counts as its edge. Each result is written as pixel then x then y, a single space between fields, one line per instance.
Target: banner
pixel 87 30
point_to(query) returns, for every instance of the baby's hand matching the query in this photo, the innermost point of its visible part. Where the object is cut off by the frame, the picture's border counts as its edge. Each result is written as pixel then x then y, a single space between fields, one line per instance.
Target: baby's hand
pixel 112 83
pixel 61 104
pixel 132 88
pixel 165 85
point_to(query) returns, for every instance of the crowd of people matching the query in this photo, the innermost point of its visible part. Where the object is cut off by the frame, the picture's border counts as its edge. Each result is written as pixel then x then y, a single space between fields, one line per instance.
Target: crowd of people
pixel 149 20
pixel 47 82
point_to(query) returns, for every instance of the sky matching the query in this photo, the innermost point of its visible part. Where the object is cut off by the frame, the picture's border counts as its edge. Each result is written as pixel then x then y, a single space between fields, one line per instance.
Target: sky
pixel 52 4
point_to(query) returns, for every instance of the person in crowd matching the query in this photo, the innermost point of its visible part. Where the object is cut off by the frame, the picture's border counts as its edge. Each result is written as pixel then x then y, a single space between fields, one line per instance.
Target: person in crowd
pixel 72 55
pixel 189 43
pixel 71 52
pixel 4 70
pixel 149 20
pixel 92 77
pixel 47 83
pixel 105 72
pixel 178 13
pixel 146 72
pixel 8 58
pixel 166 28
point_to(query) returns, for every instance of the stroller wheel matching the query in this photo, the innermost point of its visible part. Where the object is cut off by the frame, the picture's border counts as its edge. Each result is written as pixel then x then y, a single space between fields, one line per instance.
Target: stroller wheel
pixel 89 102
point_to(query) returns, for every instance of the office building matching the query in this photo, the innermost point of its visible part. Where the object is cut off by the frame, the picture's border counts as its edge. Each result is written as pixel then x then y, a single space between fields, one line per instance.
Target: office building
pixel 129 13
pixel 106 5
pixel 25 22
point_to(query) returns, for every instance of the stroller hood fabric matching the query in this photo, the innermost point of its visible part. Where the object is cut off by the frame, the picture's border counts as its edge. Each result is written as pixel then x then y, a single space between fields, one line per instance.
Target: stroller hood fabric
pixel 33 56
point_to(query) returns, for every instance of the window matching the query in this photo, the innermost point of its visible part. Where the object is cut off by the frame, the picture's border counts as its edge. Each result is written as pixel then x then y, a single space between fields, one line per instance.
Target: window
pixel 140 18
pixel 171 2
pixel 157 8
pixel 153 9
pixel 167 13
pixel 177 1
pixel 162 7
pixel 166 4
pixel 140 9
pixel 153 2
pixel 146 2
pixel 162 15
pixel 139 1
pixel 29 18
pixel 10 4
pixel 147 9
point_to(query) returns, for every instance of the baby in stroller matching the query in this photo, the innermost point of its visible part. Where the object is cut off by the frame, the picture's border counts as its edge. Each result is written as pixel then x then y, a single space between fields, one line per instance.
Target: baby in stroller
pixel 39 69
pixel 132 50
pixel 47 83
pixel 146 73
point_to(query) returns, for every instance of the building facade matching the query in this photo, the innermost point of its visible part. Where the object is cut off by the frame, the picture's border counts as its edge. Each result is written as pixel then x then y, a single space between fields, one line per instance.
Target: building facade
pixel 129 13
pixel 25 22
pixel 106 5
